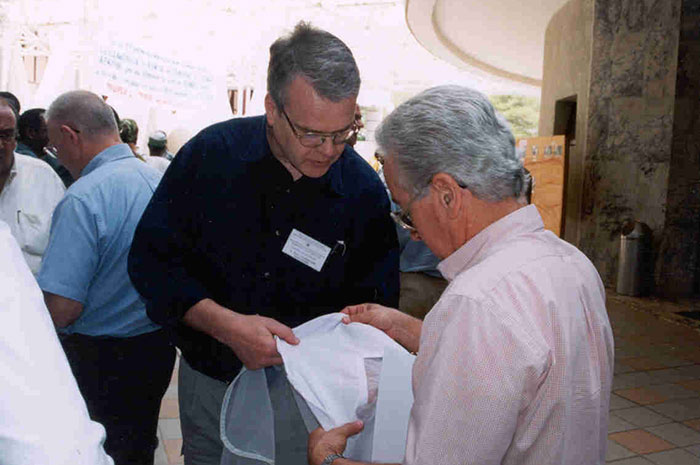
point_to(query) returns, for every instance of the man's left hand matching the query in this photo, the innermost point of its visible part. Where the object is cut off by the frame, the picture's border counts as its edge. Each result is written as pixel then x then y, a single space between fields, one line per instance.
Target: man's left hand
pixel 323 443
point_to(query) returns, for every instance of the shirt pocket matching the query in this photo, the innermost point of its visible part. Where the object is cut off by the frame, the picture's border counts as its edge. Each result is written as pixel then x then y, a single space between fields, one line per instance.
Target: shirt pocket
pixel 33 232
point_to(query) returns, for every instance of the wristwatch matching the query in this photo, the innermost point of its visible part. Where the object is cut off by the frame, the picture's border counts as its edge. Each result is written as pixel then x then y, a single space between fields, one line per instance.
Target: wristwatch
pixel 329 460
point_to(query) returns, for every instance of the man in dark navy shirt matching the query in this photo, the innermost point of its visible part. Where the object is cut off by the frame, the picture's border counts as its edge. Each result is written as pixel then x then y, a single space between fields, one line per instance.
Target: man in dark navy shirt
pixel 261 224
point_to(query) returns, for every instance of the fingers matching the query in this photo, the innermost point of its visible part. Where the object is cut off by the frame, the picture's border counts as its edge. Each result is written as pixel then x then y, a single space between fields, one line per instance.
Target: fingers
pixel 358 313
pixel 284 332
pixel 349 429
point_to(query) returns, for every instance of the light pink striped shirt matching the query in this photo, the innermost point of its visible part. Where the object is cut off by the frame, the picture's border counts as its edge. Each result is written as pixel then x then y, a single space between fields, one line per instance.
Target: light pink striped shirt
pixel 516 358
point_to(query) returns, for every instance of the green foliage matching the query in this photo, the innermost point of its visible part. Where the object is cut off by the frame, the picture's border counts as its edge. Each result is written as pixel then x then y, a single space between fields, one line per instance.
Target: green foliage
pixel 523 113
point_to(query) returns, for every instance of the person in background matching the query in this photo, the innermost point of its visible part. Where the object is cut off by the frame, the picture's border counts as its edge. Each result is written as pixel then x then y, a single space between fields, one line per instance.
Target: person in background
pixel 33 141
pixel 129 134
pixel 12 100
pixel 261 224
pixel 515 361
pixel 29 192
pixel 122 360
pixel 158 145
pixel 43 418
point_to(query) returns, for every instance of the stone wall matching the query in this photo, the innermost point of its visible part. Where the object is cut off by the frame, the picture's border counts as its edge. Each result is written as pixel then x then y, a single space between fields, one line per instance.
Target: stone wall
pixel 677 263
pixel 634 67
pixel 630 123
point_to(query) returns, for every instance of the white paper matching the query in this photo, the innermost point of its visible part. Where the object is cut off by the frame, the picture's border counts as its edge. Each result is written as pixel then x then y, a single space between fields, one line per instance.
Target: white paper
pixel 306 249
pixel 394 402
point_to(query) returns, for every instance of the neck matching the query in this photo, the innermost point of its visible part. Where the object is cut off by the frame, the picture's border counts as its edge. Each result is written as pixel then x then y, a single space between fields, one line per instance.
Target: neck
pixel 483 214
pixel 91 150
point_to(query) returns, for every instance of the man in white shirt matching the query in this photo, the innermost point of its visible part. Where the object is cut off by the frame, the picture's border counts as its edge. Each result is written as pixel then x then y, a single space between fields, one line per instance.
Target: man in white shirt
pixel 29 192
pixel 43 418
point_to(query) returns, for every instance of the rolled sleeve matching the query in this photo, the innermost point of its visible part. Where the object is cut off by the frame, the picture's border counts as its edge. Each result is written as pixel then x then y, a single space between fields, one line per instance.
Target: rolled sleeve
pixel 71 257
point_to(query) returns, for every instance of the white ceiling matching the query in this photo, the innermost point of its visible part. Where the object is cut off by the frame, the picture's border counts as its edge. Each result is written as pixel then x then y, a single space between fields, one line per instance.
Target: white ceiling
pixel 504 38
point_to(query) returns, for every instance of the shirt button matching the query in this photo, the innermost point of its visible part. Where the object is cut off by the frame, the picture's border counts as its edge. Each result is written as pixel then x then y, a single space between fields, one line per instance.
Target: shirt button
pixel 287 191
pixel 277 232
pixel 267 275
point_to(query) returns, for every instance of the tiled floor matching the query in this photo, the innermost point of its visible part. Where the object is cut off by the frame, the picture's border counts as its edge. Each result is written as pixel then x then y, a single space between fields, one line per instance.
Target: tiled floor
pixel 654 407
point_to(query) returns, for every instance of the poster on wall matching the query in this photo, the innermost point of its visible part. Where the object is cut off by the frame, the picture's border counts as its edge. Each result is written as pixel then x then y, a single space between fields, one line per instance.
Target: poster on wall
pixel 129 71
pixel 545 158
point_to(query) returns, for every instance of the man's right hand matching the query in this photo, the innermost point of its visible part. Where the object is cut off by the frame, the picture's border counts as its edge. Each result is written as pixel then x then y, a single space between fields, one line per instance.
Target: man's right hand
pixel 402 328
pixel 372 314
pixel 251 337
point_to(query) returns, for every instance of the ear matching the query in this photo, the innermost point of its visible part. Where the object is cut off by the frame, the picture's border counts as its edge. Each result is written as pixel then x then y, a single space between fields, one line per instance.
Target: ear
pixel 449 194
pixel 69 133
pixel 271 111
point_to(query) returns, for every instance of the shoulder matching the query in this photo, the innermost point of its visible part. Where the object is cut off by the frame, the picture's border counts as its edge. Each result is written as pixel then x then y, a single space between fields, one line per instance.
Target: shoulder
pixel 358 177
pixel 36 165
pixel 40 171
pixel 235 137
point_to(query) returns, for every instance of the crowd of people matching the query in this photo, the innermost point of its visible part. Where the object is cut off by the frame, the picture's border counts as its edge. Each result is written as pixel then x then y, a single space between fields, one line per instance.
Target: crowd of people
pixel 260 224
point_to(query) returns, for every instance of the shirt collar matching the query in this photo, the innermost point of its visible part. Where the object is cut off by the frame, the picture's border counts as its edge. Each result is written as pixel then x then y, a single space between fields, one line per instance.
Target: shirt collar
pixel 523 220
pixel 332 180
pixel 112 153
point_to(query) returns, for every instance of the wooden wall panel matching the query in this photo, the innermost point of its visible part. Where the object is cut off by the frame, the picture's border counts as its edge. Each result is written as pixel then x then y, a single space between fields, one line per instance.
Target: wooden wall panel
pixel 545 158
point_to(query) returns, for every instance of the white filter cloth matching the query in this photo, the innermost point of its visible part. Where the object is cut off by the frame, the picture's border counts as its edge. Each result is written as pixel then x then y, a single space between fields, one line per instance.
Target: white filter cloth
pixel 335 368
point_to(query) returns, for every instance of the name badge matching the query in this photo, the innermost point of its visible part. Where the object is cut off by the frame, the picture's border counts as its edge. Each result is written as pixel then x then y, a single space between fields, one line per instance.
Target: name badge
pixel 306 249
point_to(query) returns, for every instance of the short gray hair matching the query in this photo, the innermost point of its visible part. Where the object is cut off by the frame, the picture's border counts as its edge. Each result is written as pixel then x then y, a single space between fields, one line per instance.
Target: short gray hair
pixel 84 111
pixel 453 130
pixel 318 56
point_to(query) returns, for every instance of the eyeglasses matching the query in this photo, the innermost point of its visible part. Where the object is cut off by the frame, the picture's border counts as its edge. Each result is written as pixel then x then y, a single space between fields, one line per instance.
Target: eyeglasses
pixel 316 139
pixel 403 217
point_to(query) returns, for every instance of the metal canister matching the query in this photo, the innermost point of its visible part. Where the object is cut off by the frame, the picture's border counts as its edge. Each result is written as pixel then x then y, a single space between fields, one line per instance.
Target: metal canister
pixel 634 266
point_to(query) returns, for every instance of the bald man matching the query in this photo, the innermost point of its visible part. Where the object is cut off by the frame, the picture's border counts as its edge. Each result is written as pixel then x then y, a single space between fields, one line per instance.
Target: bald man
pixel 121 359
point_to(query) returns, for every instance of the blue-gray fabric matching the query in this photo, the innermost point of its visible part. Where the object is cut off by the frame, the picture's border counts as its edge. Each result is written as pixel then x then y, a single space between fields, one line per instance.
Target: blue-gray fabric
pixel 91 233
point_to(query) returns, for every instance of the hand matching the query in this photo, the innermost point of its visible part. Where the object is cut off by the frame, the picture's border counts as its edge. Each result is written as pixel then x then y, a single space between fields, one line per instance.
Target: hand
pixel 372 314
pixel 252 339
pixel 323 443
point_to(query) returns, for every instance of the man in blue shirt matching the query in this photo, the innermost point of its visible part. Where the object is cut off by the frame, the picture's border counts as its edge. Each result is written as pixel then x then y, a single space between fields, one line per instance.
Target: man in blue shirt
pixel 120 358
pixel 261 224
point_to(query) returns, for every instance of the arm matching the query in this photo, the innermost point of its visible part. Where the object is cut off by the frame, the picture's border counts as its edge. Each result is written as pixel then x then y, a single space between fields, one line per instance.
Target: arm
pixel 251 337
pixel 70 261
pixel 63 311
pixel 163 266
pixel 402 328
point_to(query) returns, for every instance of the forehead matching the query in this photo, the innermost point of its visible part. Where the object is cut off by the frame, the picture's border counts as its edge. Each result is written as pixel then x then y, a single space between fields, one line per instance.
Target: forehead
pixel 7 118
pixel 312 112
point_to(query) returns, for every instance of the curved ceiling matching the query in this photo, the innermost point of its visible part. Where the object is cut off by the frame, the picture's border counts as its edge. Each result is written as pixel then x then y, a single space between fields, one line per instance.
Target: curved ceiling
pixel 504 38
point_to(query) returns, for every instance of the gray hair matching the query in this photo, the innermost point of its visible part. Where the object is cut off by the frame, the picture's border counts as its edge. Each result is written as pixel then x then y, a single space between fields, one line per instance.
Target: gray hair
pixel 320 57
pixel 84 111
pixel 453 130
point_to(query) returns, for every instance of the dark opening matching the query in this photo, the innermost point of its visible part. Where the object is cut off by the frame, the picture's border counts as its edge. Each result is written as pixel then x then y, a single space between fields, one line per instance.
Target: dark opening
pixel 565 124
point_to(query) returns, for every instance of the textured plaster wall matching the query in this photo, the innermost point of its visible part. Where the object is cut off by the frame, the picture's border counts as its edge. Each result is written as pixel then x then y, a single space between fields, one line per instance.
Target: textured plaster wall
pixel 677 263
pixel 566 73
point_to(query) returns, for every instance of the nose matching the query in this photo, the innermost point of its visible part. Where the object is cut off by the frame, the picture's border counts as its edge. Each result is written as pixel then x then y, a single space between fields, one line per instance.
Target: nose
pixel 329 149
